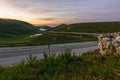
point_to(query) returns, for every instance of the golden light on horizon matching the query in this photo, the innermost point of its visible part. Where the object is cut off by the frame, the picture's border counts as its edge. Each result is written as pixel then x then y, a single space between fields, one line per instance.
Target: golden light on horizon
pixel 41 22
pixel 10 13
pixel 14 12
pixel 30 14
pixel 46 12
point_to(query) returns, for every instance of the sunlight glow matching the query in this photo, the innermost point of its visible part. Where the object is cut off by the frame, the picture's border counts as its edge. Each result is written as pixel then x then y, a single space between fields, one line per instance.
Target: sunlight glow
pixel 45 12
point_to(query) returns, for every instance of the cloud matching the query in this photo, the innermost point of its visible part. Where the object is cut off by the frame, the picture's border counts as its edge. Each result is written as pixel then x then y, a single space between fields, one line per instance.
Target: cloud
pixel 40 11
pixel 46 19
pixel 41 6
pixel 67 10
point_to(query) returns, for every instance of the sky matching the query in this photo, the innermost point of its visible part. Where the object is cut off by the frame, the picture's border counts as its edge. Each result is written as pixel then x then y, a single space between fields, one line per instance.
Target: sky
pixel 55 12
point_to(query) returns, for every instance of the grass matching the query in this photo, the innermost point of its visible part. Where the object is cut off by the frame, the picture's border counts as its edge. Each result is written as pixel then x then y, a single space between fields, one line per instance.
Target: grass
pixel 45 38
pixel 65 66
pixel 14 41
pixel 15 32
pixel 48 38
pixel 91 27
pixel 12 28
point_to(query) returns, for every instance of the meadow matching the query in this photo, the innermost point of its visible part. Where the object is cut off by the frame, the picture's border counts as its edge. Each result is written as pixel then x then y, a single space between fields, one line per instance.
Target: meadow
pixel 48 38
pixel 89 27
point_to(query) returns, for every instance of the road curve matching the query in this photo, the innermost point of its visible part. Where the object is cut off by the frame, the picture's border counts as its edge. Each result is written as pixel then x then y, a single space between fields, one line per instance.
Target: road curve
pixel 13 55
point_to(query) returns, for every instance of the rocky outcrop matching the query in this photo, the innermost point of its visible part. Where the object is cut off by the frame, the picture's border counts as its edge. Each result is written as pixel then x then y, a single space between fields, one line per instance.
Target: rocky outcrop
pixel 109 44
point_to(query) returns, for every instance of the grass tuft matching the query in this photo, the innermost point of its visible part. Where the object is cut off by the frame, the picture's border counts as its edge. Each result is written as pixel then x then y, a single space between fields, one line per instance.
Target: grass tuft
pixel 65 66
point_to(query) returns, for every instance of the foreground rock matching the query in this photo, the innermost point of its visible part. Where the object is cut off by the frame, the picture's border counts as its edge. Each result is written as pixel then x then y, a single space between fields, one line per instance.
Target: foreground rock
pixel 109 44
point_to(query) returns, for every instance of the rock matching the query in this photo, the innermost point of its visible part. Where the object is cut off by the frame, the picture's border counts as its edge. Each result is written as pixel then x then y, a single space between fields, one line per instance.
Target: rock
pixel 109 44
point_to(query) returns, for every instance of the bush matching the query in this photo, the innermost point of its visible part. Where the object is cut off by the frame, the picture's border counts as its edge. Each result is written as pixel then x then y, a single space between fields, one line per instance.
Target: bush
pixel 65 66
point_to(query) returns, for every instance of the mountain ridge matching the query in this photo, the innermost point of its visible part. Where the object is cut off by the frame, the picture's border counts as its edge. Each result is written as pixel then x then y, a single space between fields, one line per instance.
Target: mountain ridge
pixel 91 27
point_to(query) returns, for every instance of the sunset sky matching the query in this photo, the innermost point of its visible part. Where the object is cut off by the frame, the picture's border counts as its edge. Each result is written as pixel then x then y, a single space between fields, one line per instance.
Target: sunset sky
pixel 54 12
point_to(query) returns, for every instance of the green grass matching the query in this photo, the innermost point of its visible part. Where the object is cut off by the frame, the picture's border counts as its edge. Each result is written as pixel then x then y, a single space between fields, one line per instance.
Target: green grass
pixel 14 41
pixel 91 27
pixel 65 66
pixel 48 38
pixel 45 38
pixel 12 28
pixel 15 32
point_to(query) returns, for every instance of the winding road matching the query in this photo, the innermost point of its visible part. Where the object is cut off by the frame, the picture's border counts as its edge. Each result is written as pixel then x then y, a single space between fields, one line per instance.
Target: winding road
pixel 13 55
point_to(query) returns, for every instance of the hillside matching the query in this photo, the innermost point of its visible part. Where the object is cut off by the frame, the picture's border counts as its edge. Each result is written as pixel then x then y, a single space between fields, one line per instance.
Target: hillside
pixel 88 66
pixel 9 27
pixel 91 27
pixel 48 38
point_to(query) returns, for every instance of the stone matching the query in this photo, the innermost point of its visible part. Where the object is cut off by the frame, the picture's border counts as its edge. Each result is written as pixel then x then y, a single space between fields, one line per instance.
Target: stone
pixel 109 44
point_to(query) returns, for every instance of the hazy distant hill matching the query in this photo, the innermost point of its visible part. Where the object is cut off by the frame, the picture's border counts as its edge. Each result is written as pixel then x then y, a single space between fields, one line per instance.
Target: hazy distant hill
pixel 96 27
pixel 9 27
pixel 43 27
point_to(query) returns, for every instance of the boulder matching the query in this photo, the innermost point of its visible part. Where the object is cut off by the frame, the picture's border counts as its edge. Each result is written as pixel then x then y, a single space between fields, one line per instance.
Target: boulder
pixel 109 44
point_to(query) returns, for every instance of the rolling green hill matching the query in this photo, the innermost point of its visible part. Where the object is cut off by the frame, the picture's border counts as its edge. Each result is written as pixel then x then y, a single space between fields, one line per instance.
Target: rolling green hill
pixel 10 28
pixel 91 27
pixel 13 32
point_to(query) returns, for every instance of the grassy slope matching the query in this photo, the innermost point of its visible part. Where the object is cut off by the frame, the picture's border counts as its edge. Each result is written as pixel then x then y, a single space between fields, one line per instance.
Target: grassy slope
pixel 14 41
pixel 14 31
pixel 48 38
pixel 89 66
pixel 15 28
pixel 93 27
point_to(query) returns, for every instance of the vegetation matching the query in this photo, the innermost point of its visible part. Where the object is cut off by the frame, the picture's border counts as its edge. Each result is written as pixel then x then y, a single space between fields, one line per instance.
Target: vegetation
pixel 15 32
pixel 12 28
pixel 48 38
pixel 14 41
pixel 65 66
pixel 92 27
pixel 45 38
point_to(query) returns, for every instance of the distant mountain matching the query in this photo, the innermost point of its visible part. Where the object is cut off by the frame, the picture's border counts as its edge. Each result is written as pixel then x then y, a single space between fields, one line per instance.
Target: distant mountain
pixel 43 27
pixel 10 27
pixel 91 27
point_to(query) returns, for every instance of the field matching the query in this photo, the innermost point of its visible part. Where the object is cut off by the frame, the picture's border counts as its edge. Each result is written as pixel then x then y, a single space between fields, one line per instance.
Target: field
pixel 13 28
pixel 14 41
pixel 15 32
pixel 45 38
pixel 91 27
pixel 66 66
pixel 48 38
